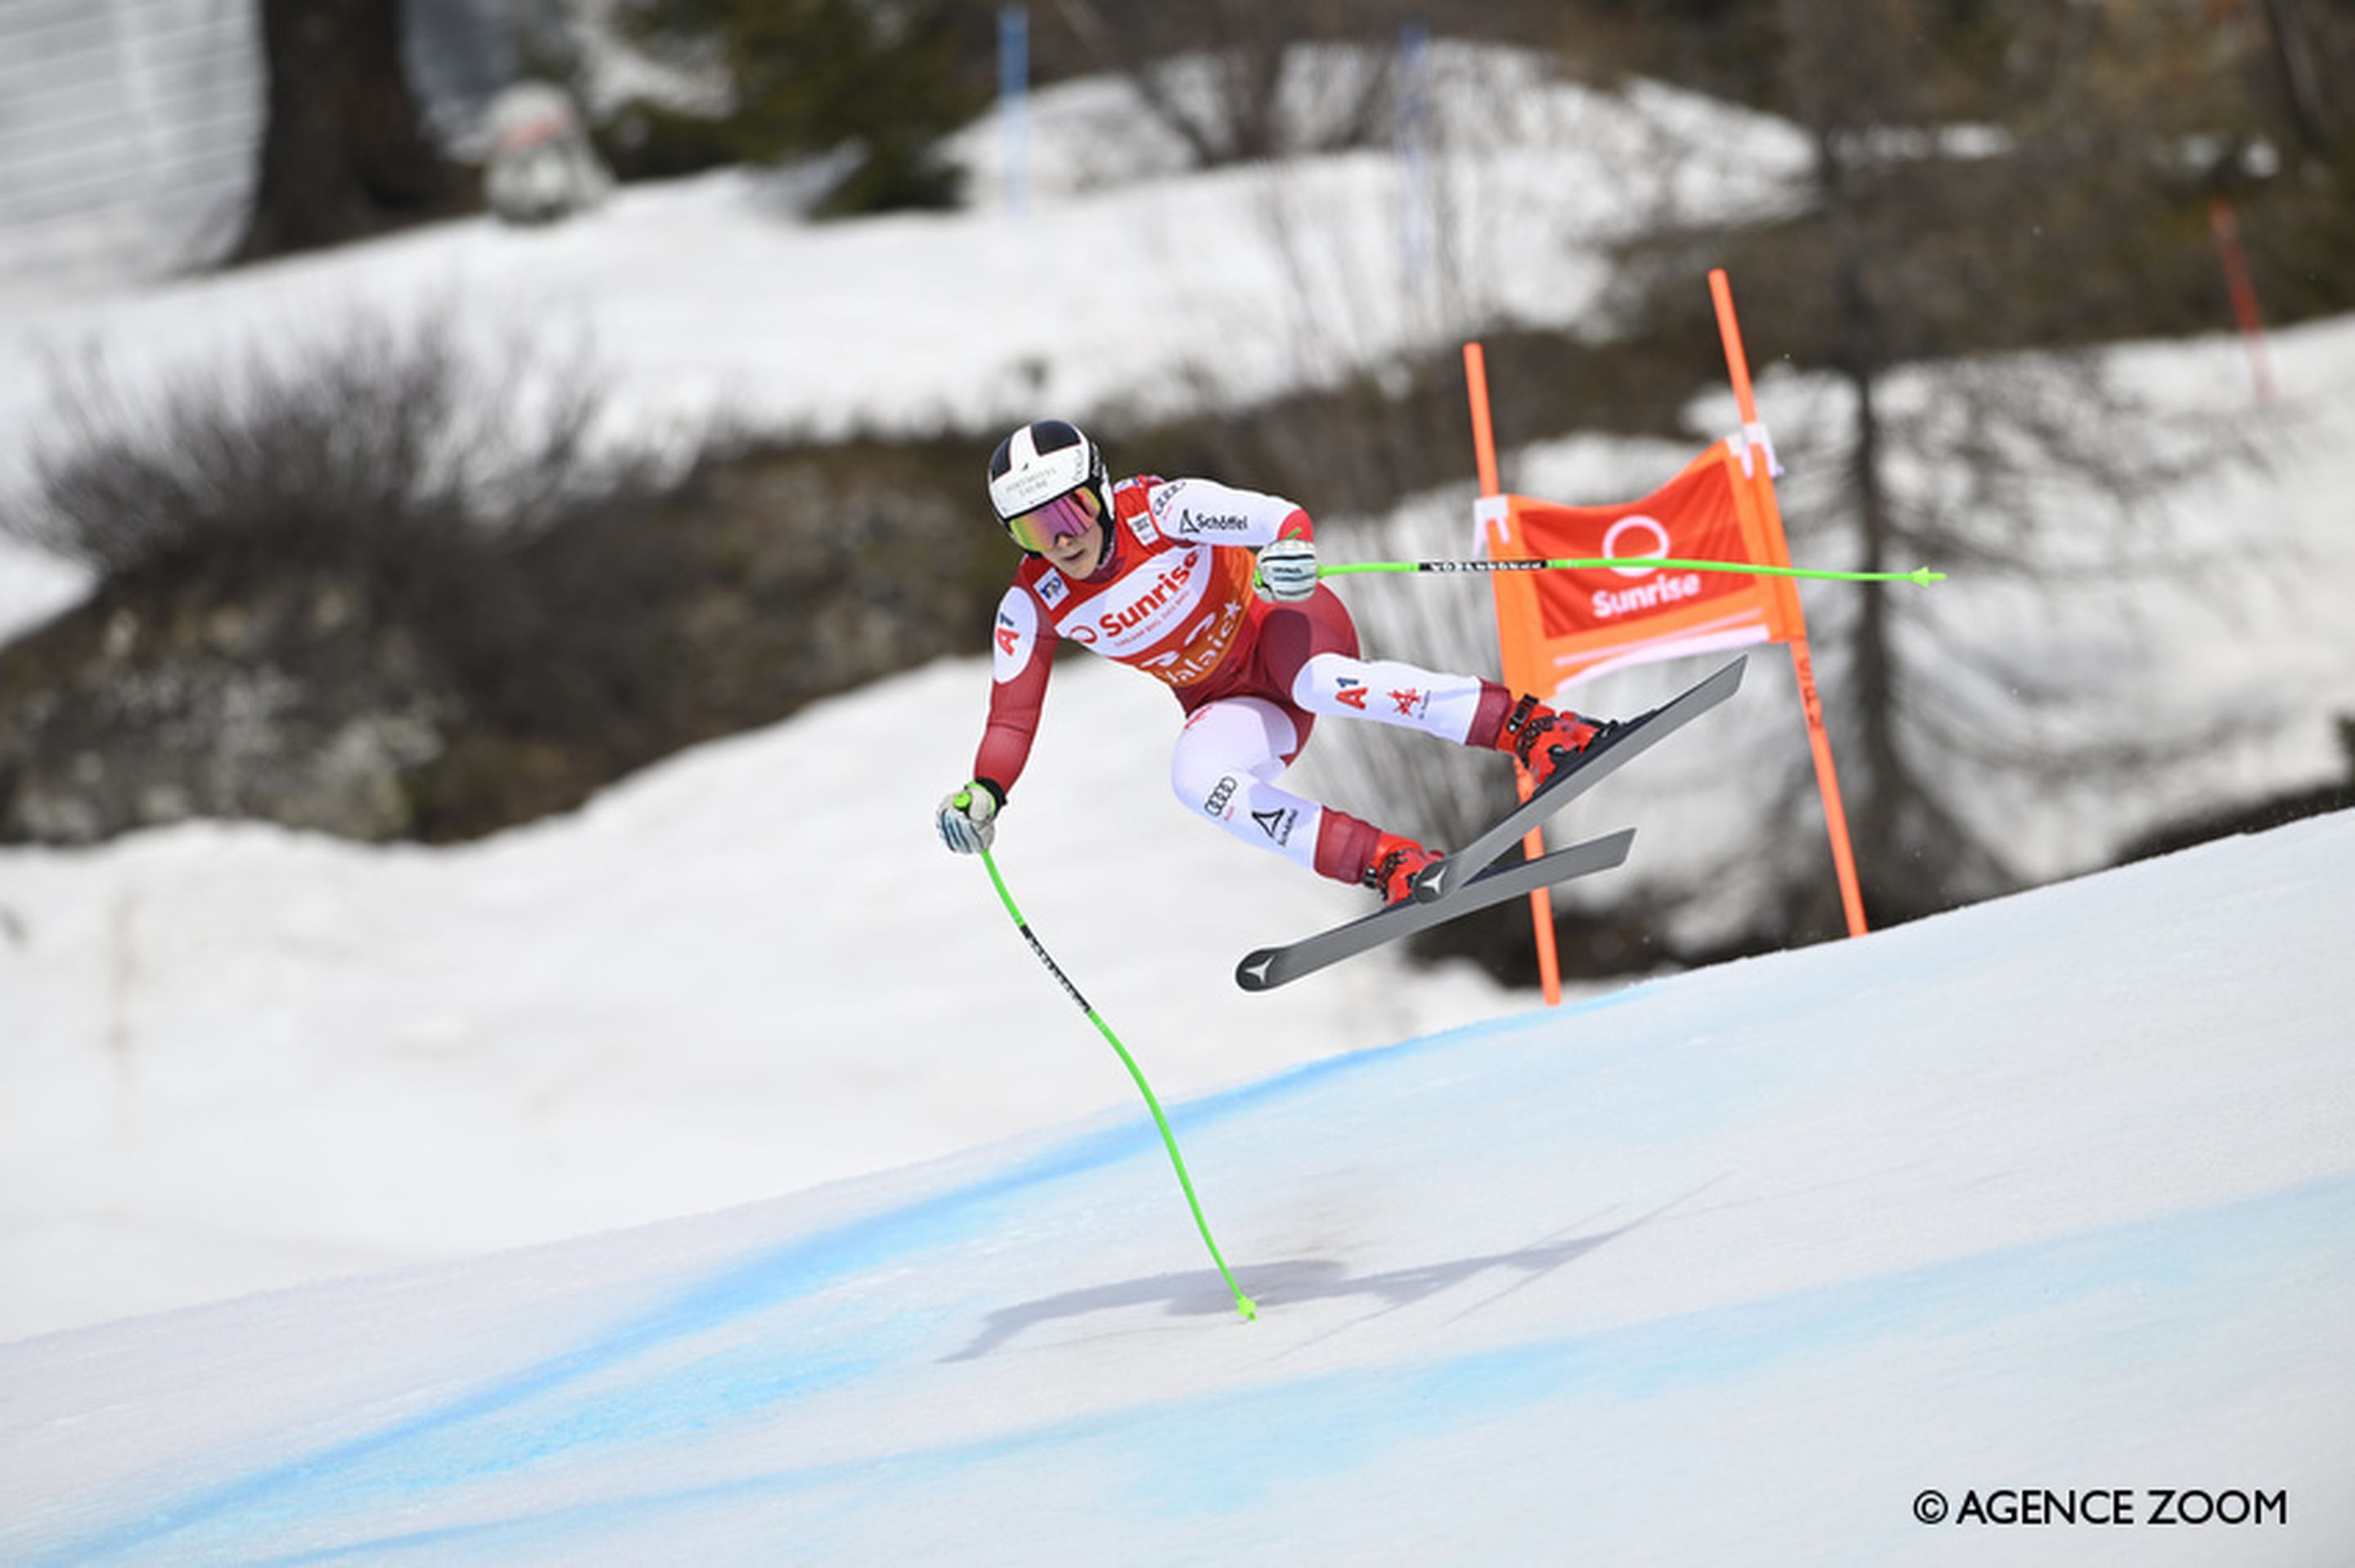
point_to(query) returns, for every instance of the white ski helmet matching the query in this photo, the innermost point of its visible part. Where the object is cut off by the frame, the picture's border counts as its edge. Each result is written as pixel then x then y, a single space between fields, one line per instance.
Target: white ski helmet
pixel 1038 465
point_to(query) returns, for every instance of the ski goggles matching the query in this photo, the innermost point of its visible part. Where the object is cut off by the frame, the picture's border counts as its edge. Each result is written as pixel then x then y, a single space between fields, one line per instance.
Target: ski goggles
pixel 1067 516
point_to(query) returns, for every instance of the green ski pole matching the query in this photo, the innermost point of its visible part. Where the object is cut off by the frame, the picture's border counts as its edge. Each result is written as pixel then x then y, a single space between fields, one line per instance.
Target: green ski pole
pixel 1243 1304
pixel 1922 575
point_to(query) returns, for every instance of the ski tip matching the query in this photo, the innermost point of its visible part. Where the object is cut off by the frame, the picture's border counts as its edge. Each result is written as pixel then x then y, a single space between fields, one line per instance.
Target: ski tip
pixel 1252 974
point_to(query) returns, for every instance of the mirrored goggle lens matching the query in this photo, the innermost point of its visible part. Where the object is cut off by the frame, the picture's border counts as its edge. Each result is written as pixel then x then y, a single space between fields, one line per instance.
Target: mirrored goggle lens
pixel 1064 517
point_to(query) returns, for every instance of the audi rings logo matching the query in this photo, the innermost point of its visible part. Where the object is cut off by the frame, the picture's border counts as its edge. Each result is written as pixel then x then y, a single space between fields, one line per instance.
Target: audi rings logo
pixel 1651 542
pixel 1216 806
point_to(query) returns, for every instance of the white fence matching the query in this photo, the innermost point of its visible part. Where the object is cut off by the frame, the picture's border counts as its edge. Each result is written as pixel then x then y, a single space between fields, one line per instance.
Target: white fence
pixel 129 129
pixel 127 135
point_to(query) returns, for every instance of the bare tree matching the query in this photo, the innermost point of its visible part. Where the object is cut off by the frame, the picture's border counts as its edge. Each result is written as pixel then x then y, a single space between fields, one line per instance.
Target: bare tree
pixel 1982 196
pixel 2310 46
pixel 2003 180
pixel 1220 75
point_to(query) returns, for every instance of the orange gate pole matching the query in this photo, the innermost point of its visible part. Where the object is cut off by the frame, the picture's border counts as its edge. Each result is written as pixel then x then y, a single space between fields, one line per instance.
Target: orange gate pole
pixel 2226 224
pixel 1819 743
pixel 1483 445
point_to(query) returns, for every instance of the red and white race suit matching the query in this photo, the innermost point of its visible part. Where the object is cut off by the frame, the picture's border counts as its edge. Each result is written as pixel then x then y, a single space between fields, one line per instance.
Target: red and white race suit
pixel 1174 598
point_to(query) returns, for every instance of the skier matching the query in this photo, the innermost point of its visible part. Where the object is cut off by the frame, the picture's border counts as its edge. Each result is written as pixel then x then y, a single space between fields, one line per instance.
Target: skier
pixel 1157 574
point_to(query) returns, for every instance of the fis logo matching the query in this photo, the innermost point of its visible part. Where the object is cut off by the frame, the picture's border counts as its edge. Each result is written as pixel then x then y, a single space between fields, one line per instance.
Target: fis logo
pixel 1410 702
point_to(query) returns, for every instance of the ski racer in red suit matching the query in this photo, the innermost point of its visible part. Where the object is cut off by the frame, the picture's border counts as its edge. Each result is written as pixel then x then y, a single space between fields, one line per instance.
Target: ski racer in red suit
pixel 1157 574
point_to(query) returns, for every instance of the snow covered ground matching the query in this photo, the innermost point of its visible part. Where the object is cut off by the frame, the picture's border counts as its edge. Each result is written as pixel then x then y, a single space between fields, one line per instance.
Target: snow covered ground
pixel 1882 1252
pixel 1121 281
pixel 232 1058
pixel 240 1057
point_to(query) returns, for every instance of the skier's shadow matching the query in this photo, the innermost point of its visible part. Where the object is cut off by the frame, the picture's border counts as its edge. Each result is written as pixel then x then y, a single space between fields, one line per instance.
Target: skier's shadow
pixel 1296 1281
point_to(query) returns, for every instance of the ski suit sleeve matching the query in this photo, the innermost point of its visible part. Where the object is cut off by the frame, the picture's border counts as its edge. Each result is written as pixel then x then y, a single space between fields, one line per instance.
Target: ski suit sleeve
pixel 1022 656
pixel 1215 513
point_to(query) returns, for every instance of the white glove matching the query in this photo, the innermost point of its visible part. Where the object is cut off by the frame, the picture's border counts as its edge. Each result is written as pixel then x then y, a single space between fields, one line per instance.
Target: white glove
pixel 1288 569
pixel 968 819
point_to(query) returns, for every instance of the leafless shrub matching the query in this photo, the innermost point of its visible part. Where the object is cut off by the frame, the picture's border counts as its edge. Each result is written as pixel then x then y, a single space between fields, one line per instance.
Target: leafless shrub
pixel 470 501
pixel 382 437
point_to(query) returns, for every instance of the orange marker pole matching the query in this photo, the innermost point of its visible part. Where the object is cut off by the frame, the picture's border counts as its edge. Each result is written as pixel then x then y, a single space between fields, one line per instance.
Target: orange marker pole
pixel 2227 230
pixel 1737 364
pixel 1484 447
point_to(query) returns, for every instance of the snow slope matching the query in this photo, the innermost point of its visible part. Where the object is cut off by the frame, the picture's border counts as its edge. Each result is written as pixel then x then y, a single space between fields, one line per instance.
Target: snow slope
pixel 238 1057
pixel 2053 1195
pixel 233 1059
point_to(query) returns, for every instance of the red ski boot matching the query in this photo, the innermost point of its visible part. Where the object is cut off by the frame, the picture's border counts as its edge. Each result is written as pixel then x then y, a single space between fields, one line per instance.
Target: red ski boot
pixel 1541 739
pixel 1396 863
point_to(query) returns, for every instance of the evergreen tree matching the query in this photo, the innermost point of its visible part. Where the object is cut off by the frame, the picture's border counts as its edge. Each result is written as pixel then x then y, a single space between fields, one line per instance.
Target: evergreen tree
pixel 880 82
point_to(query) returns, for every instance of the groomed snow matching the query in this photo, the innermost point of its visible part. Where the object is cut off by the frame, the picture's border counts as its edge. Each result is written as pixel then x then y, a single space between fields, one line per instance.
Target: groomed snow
pixel 242 1057
pixel 2051 1195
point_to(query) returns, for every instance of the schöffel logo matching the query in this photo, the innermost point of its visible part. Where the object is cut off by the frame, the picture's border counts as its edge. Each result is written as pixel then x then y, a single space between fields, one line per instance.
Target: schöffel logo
pixel 1192 521
pixel 1277 823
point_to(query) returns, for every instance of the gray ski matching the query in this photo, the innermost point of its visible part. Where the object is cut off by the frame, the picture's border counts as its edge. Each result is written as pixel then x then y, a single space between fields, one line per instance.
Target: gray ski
pixel 1271 967
pixel 1439 882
